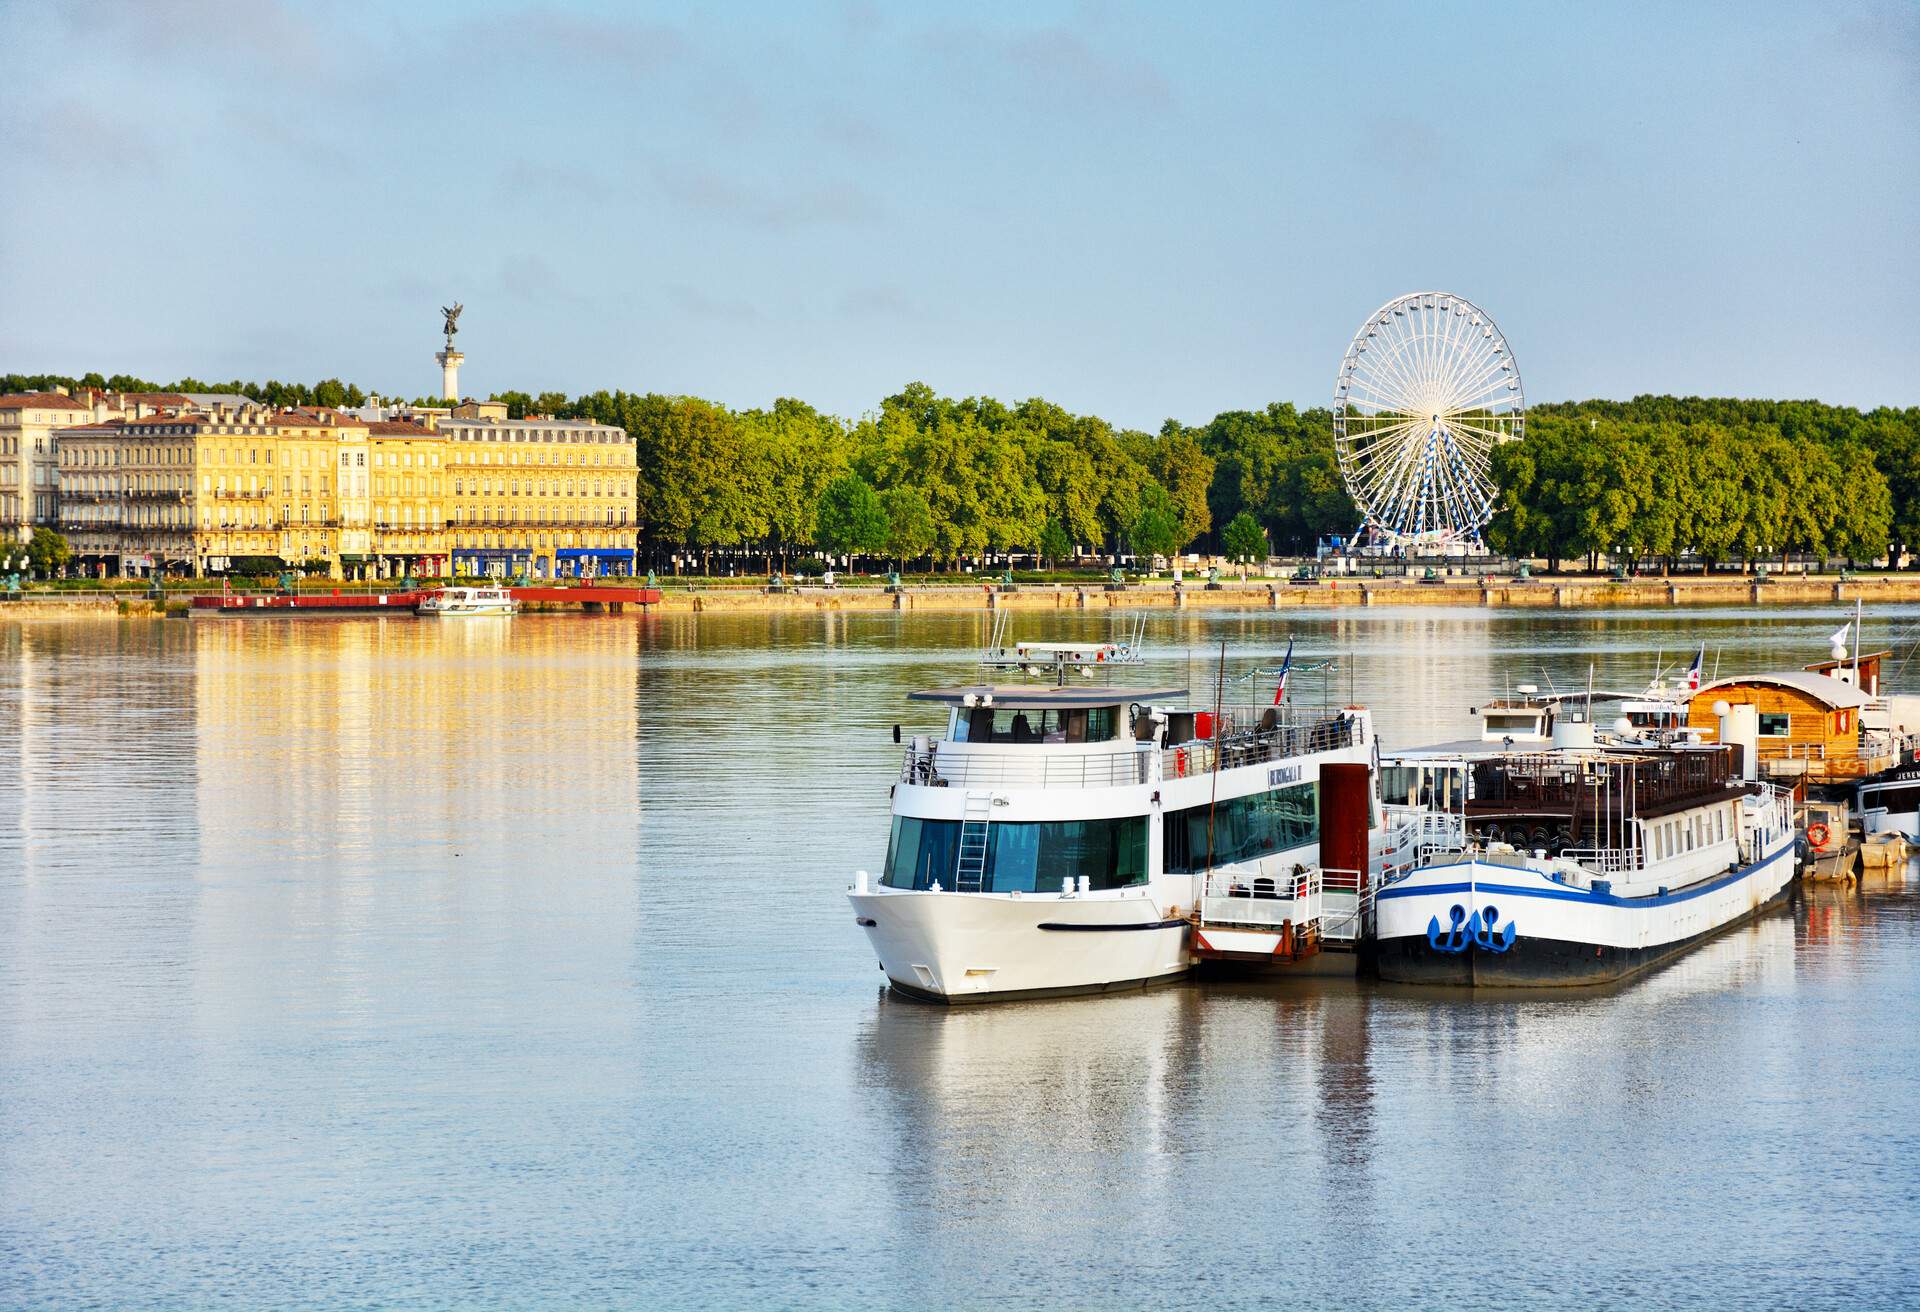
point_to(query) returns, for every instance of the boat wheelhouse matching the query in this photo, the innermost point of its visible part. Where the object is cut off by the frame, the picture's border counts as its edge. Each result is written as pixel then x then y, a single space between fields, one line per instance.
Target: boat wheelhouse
pixel 1054 839
pixel 1578 864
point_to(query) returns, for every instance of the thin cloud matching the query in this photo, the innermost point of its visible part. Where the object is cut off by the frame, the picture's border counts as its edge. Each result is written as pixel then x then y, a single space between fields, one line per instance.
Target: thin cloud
pixel 574 41
pixel 1055 64
pixel 778 209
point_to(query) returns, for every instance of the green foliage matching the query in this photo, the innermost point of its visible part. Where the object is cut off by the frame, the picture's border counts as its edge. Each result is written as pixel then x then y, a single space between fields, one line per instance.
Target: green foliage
pixel 1278 464
pixel 1243 540
pixel 256 566
pixel 851 519
pixel 1659 478
pixel 1054 542
pixel 1156 525
pixel 47 552
pixel 910 528
pixel 1656 477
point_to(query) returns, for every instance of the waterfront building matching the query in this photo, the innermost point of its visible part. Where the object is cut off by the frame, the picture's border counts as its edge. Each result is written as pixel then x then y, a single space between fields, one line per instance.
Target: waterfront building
pixel 543 496
pixel 179 484
pixel 29 459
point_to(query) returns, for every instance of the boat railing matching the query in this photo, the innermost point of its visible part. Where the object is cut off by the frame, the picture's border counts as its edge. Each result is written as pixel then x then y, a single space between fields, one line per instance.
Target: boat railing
pixel 1240 895
pixel 1334 903
pixel 1412 835
pixel 1027 769
pixel 1128 766
pixel 1346 904
pixel 1607 860
pixel 1257 746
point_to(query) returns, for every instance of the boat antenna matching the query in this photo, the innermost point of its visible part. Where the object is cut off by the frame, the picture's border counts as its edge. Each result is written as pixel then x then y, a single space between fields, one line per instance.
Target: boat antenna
pixel 1213 801
pixel 1548 676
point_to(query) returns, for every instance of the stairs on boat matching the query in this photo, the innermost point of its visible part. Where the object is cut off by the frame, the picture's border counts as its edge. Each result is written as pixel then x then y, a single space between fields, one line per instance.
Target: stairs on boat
pixel 970 873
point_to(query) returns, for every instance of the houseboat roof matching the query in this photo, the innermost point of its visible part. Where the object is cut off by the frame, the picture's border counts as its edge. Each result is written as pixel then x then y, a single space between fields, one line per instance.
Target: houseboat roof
pixel 1832 692
pixel 1018 697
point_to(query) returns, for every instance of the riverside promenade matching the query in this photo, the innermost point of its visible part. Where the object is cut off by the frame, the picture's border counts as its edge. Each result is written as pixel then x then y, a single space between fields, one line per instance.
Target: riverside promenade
pixel 1572 593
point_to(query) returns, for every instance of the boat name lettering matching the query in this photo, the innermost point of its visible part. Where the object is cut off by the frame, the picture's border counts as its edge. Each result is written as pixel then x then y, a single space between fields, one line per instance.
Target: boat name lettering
pixel 1283 774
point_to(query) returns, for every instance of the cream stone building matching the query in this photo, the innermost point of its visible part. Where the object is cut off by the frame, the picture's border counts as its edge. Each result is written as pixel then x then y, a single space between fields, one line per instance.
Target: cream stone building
pixel 29 459
pixel 552 497
pixel 191 488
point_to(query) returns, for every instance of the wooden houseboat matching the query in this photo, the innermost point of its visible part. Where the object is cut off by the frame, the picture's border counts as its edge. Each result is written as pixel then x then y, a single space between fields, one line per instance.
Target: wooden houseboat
pixel 1809 725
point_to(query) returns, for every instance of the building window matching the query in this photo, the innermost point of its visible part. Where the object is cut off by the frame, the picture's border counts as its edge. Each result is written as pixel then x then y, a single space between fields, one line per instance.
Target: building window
pixel 1775 724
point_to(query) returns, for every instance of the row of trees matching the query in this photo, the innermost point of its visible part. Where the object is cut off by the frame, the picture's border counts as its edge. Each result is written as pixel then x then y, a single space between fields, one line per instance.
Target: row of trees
pixel 927 477
pixel 1659 477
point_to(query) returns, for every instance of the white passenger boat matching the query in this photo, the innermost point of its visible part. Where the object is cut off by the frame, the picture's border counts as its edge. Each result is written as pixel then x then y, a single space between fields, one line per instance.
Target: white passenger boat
pixel 451 602
pixel 1578 862
pixel 1053 839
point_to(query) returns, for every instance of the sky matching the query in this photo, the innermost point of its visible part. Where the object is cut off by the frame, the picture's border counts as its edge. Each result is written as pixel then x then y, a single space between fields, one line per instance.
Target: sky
pixel 1136 211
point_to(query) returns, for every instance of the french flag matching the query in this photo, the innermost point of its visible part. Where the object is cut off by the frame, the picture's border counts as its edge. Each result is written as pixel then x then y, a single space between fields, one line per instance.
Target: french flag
pixel 1693 671
pixel 1280 692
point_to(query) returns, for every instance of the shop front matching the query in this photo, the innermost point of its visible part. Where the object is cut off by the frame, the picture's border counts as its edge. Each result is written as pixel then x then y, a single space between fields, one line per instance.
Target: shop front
pixel 593 562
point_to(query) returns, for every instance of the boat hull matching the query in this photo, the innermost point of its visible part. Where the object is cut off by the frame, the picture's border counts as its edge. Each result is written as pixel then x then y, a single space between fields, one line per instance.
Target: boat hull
pixel 1562 937
pixel 960 948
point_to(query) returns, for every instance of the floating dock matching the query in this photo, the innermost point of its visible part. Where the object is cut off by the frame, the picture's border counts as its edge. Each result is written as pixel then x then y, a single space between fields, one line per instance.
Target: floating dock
pixel 593 600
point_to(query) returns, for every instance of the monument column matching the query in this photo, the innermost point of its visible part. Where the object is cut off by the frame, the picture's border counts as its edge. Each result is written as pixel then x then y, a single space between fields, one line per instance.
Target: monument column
pixel 450 359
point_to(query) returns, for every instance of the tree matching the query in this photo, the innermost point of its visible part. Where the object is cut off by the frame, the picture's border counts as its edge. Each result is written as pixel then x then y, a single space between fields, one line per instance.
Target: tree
pixel 47 551
pixel 1186 472
pixel 1156 528
pixel 1243 539
pixel 1054 542
pixel 851 519
pixel 910 529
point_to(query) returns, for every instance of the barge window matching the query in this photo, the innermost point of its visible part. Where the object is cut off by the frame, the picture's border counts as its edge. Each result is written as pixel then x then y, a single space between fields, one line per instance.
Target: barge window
pixel 1896 800
pixel 1244 828
pixel 1775 724
pixel 1022 857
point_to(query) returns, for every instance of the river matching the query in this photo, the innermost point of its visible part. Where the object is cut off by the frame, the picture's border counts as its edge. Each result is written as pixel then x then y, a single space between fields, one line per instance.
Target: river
pixel 504 963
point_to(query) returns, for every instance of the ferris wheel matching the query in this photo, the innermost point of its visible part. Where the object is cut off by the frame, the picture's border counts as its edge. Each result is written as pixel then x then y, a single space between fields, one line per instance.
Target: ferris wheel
pixel 1427 388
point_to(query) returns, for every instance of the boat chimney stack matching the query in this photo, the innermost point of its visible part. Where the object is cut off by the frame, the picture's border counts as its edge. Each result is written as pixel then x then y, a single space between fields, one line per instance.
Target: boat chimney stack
pixel 1740 727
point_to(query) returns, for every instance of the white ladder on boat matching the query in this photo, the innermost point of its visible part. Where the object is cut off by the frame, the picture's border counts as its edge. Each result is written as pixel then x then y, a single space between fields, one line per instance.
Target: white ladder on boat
pixel 971 871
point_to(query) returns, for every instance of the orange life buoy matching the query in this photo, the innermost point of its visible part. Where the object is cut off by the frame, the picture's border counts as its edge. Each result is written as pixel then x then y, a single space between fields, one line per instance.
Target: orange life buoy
pixel 1817 835
pixel 1180 763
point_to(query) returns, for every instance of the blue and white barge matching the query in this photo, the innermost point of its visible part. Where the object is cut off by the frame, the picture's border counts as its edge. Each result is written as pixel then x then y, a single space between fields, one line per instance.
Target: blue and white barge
pixel 1570 862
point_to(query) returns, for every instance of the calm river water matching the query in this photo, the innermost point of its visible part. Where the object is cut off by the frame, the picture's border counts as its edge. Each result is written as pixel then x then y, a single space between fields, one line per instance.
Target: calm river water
pixel 384 963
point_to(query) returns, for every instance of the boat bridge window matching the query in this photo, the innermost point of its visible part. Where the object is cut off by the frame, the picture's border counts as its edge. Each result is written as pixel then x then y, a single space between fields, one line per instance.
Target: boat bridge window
pixel 1775 725
pixel 1512 722
pixel 1022 856
pixel 1244 828
pixel 993 724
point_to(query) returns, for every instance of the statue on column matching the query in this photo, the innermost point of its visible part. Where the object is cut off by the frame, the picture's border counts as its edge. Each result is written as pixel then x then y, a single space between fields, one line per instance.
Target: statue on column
pixel 453 321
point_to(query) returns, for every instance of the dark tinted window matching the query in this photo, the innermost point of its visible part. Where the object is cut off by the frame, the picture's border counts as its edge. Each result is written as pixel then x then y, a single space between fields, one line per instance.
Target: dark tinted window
pixel 1244 828
pixel 1024 857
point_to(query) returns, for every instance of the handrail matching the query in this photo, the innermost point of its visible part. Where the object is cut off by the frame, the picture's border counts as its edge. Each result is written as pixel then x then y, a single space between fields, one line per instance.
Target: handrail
pixel 1130 766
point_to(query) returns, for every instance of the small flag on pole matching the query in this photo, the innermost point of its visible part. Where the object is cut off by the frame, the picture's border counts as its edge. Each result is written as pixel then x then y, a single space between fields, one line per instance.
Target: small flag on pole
pixel 1280 692
pixel 1693 671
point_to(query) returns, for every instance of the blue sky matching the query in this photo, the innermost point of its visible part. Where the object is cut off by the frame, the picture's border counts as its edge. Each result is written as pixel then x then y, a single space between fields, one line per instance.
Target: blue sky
pixel 1136 211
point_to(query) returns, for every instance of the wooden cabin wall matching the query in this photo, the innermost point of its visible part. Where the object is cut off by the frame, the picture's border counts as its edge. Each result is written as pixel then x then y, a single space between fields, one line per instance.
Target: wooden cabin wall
pixel 1812 723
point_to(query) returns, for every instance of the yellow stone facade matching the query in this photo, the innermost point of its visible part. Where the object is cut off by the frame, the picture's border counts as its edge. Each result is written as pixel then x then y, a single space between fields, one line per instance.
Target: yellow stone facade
pixel 194 492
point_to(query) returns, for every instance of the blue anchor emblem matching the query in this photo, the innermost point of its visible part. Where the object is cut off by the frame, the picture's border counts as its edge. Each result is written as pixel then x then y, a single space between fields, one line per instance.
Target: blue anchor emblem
pixel 1466 931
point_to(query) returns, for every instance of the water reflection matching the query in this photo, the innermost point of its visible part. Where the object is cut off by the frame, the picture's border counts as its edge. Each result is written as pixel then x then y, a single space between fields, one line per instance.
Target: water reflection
pixel 455 964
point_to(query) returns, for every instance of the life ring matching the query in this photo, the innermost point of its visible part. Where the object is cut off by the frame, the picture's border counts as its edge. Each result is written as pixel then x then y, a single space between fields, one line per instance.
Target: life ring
pixel 1180 763
pixel 1818 835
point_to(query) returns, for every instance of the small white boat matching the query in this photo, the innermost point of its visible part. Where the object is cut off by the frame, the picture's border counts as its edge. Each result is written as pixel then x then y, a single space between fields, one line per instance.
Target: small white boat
pixel 450 602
